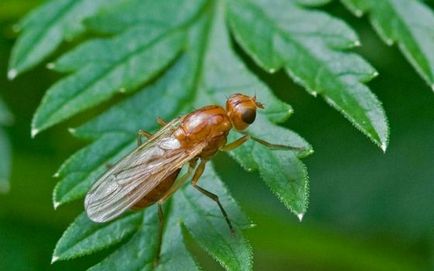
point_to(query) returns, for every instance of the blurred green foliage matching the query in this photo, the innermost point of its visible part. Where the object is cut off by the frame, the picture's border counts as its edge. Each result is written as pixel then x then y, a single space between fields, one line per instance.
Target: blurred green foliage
pixel 368 210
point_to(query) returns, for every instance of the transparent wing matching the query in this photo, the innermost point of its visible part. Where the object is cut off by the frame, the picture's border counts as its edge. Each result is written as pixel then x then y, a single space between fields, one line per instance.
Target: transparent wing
pixel 137 174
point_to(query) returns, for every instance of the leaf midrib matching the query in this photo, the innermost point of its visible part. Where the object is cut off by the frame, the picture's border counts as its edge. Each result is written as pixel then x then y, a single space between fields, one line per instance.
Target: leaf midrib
pixel 211 9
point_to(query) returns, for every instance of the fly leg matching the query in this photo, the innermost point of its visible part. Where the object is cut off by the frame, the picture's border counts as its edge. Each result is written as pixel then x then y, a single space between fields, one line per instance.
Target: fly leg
pixel 161 122
pixel 272 146
pixel 197 174
pixel 178 184
pixel 160 233
pixel 142 133
pixel 235 144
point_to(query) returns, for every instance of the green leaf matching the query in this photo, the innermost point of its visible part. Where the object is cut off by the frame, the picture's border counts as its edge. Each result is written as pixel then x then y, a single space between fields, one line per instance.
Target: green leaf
pixel 286 176
pixel 189 63
pixel 202 218
pixel 46 27
pixel 131 115
pixel 118 67
pixel 204 221
pixel 85 237
pixel 282 171
pixel 6 117
pixel 139 252
pixel 313 3
pixel 5 162
pixel 77 177
pixel 309 45
pixel 174 253
pixel 105 67
pixel 5 153
pixel 409 24
pixel 119 15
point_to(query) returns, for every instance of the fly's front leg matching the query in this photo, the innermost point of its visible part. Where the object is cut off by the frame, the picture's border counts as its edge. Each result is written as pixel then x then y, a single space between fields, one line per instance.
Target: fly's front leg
pixel 142 133
pixel 235 144
pixel 161 122
pixel 197 174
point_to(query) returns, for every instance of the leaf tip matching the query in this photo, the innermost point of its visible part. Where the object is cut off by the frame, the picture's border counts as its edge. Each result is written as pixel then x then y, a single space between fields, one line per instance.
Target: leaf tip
pixel 308 151
pixel 358 13
pixel 56 175
pixel 300 216
pixel 432 87
pixel 54 259
pixel 72 131
pixel 56 204
pixel 12 73
pixel 383 146
pixel 34 132
pixel 389 42
pixel 50 66
pixel 251 226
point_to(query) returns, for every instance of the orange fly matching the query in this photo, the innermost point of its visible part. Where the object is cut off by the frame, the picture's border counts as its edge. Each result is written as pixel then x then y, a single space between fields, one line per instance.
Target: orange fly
pixel 149 174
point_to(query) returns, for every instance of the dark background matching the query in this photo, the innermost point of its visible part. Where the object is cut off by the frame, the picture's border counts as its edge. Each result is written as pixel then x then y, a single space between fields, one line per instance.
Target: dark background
pixel 368 210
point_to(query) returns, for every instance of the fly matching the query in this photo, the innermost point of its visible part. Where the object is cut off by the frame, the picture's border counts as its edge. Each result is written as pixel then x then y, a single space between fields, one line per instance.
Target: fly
pixel 149 174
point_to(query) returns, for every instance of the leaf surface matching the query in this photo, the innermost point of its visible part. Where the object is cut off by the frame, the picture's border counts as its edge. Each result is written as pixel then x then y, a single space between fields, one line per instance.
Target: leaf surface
pixel 85 237
pixel 309 45
pixel 5 153
pixel 190 63
pixel 407 23
pixel 46 27
pixel 5 162
pixel 115 67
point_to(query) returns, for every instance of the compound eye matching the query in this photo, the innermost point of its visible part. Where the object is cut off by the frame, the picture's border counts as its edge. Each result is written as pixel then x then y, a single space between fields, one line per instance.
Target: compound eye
pixel 248 116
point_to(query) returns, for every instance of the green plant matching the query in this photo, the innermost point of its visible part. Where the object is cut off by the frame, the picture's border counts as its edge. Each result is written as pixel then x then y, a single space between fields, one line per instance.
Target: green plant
pixel 178 57
pixel 5 153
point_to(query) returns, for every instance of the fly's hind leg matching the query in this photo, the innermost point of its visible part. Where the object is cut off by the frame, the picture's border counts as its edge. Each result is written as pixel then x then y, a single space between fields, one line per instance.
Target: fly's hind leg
pixel 179 182
pixel 172 190
pixel 197 174
pixel 142 133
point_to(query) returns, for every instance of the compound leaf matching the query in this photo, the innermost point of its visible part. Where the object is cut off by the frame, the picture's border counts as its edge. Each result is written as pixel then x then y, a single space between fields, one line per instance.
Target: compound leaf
pixel 187 51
